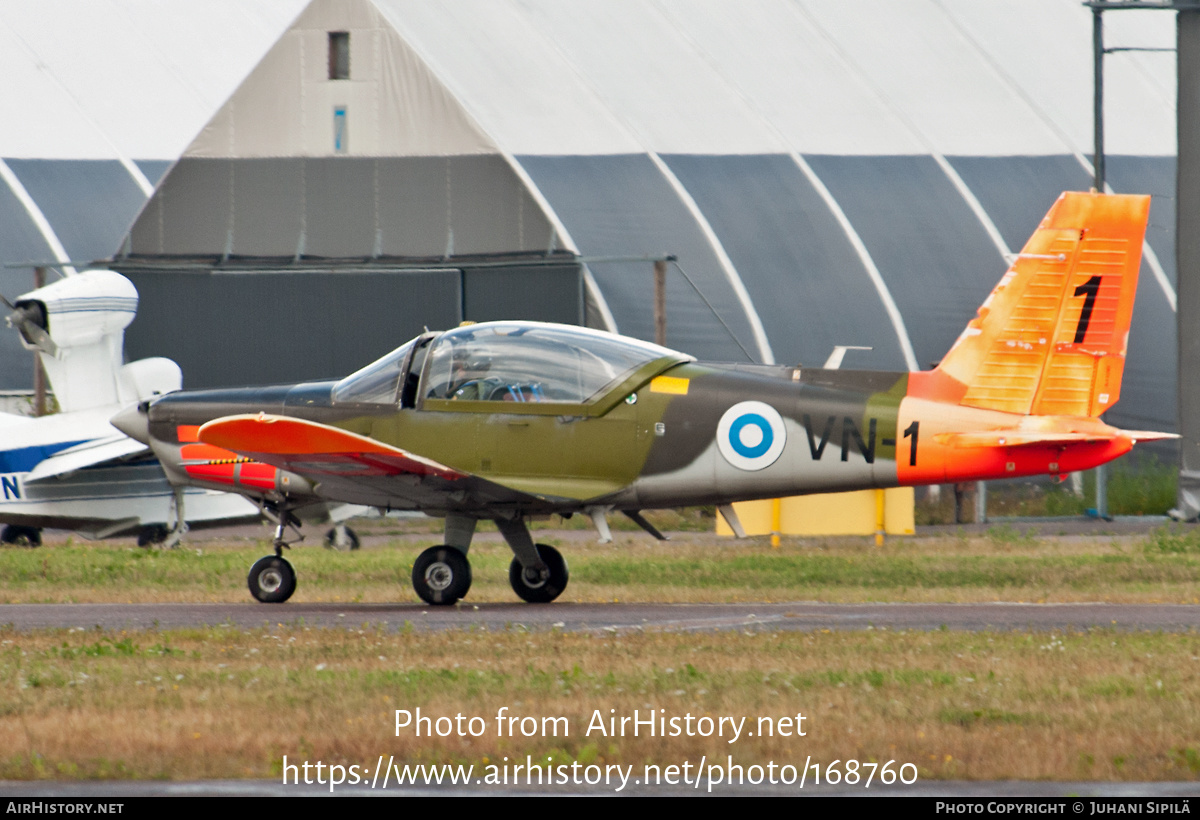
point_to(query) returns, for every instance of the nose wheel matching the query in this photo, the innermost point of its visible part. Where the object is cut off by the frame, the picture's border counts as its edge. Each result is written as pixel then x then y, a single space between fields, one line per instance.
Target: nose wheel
pixel 272 580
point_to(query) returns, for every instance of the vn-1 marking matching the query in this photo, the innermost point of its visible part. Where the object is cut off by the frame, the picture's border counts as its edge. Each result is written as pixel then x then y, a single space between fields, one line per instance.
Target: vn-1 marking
pixel 849 432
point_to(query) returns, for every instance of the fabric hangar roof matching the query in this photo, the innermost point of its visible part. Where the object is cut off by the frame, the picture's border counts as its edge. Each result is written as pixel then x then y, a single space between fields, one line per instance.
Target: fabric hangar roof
pixel 826 173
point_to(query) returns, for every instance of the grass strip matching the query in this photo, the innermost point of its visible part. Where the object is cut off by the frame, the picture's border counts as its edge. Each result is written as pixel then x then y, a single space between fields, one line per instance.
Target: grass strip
pixel 228 703
pixel 1001 565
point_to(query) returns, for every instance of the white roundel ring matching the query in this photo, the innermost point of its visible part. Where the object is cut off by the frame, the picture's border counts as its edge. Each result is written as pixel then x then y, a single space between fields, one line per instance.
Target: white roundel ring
pixel 751 435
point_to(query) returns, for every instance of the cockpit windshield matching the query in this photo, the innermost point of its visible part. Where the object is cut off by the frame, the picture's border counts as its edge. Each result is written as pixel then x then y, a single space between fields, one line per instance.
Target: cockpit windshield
pixel 531 362
pixel 378 382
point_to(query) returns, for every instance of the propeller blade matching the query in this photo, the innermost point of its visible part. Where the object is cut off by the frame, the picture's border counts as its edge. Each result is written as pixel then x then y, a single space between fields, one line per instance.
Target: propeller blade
pixel 30 321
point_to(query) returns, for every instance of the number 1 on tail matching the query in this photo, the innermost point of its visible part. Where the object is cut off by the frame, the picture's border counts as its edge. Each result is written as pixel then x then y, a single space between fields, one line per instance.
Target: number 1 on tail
pixel 1089 288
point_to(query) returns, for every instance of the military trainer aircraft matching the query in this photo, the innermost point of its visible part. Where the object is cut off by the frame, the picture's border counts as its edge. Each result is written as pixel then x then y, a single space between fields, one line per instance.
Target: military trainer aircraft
pixel 508 420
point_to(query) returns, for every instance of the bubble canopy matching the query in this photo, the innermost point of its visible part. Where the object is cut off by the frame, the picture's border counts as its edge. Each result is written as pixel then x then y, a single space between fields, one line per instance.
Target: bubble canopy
pixel 378 382
pixel 519 362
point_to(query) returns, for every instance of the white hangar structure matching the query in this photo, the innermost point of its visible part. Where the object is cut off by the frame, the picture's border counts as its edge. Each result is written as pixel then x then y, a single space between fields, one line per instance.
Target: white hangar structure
pixel 296 187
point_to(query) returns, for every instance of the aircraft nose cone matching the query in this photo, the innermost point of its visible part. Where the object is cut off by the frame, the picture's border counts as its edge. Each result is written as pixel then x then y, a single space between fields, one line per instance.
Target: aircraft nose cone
pixel 134 422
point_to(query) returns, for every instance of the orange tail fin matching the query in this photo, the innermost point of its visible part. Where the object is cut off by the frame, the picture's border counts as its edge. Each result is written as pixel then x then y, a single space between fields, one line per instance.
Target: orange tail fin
pixel 1051 337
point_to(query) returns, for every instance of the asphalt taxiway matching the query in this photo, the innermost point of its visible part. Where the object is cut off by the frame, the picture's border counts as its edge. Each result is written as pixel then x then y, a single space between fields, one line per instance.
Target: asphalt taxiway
pixel 612 617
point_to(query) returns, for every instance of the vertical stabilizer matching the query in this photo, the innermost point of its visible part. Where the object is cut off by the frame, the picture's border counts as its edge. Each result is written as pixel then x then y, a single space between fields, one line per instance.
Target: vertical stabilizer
pixel 77 326
pixel 1051 337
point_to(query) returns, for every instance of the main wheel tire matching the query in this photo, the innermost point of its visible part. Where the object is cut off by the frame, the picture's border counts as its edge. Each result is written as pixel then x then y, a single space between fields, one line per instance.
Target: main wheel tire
pixel 441 576
pixel 532 586
pixel 341 537
pixel 152 536
pixel 272 580
pixel 21 536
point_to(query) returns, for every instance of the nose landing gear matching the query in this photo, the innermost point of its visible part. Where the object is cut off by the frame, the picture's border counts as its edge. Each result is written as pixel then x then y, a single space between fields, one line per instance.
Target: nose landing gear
pixel 272 580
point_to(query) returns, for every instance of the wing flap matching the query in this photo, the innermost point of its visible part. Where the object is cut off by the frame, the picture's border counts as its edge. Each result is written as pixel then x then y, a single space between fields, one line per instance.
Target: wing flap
pixel 309 448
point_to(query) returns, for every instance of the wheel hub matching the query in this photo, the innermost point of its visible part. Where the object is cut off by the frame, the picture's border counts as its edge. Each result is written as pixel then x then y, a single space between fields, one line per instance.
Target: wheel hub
pixel 535 578
pixel 439 576
pixel 270 580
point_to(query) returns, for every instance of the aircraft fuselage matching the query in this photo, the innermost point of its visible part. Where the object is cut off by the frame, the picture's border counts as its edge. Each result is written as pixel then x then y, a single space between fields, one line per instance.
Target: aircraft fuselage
pixel 695 433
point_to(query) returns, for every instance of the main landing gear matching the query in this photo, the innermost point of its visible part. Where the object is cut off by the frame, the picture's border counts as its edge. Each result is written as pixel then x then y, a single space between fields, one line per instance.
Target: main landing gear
pixel 21 536
pixel 160 534
pixel 341 537
pixel 540 586
pixel 442 575
pixel 272 580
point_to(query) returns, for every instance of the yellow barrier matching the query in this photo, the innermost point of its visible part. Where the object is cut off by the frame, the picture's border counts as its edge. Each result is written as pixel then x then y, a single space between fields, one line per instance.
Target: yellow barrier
pixel 855 513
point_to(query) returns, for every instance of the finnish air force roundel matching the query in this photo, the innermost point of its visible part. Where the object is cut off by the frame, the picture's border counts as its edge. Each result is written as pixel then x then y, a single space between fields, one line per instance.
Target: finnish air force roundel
pixel 751 435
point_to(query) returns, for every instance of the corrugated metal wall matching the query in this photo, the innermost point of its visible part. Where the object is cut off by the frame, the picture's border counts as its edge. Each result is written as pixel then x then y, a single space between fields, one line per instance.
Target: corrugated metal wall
pixel 231 328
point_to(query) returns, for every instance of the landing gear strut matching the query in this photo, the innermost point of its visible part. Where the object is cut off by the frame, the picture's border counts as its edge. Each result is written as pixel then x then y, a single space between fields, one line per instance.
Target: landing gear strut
pixel 179 528
pixel 272 579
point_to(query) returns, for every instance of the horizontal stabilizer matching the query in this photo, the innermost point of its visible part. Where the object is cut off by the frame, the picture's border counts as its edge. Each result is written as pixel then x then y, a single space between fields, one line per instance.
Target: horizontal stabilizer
pixel 1031 438
pixel 1013 438
pixel 1147 435
pixel 113 449
pixel 309 448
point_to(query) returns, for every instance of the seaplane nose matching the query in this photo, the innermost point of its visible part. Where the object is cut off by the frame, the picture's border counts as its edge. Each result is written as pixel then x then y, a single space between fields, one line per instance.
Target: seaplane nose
pixel 133 421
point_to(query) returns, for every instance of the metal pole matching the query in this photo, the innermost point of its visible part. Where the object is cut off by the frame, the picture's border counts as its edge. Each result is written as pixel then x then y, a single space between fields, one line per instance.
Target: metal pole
pixel 981 502
pixel 39 375
pixel 1098 184
pixel 880 517
pixel 1187 255
pixel 660 302
pixel 1098 96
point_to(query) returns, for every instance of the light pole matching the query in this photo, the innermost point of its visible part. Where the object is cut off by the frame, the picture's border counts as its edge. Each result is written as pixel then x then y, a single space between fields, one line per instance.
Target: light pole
pixel 1099 183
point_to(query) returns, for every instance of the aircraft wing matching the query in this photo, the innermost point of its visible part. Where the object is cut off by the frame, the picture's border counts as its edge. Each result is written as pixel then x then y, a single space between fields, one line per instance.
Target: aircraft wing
pixel 312 449
pixel 116 448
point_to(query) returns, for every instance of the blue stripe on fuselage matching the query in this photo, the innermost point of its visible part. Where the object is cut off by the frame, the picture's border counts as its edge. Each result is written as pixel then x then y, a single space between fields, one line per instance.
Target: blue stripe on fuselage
pixel 24 459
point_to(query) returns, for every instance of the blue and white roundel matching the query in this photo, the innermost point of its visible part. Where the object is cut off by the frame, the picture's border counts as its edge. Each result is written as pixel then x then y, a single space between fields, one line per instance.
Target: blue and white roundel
pixel 751 435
